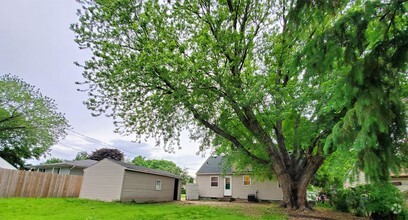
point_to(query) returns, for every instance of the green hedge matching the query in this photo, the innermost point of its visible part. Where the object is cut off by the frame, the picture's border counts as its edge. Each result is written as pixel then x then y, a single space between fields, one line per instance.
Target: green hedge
pixel 379 201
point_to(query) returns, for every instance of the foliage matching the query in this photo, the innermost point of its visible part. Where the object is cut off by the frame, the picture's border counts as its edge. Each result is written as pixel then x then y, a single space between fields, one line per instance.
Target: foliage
pixel 335 171
pixel 379 200
pixel 74 208
pixel 274 85
pixel 83 155
pixel 53 160
pixel 29 121
pixel 164 165
pixel 100 154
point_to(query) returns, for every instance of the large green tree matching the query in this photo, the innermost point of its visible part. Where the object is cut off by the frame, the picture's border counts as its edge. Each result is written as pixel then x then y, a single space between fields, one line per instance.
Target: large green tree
pixel 29 121
pixel 275 84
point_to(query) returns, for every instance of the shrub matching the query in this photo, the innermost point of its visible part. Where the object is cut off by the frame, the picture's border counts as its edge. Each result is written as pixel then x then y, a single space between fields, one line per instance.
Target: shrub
pixel 380 201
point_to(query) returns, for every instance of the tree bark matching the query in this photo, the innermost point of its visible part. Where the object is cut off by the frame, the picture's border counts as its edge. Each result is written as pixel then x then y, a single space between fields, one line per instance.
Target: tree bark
pixel 294 192
pixel 294 183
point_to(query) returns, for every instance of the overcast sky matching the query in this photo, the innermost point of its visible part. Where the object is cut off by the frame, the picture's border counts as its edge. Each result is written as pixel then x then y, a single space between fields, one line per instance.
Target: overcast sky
pixel 37 45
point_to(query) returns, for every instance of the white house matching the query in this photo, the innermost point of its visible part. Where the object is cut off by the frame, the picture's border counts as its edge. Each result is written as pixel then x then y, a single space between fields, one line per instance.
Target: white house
pixel 216 182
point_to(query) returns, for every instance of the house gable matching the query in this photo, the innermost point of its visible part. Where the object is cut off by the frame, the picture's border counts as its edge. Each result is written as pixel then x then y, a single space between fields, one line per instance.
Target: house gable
pixel 103 181
pixel 6 165
pixel 214 165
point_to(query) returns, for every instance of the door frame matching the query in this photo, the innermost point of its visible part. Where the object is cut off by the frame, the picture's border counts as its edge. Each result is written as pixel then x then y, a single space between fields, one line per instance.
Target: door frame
pixel 228 192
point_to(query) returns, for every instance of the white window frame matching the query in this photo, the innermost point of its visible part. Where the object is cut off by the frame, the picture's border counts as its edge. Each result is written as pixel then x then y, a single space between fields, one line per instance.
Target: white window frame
pixel 218 181
pixel 158 184
pixel 243 180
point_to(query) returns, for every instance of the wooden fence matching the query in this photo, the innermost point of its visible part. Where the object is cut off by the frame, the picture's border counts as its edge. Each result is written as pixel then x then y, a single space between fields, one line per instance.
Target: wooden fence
pixel 19 183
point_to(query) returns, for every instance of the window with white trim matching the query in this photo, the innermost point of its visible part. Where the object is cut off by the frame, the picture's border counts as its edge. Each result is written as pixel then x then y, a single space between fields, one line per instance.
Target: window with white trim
pixel 214 181
pixel 158 184
pixel 247 180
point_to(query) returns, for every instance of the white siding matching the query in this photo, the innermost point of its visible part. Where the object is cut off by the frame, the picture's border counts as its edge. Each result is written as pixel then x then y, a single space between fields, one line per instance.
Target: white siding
pixel 77 171
pixel 140 187
pixel 206 190
pixel 404 183
pixel 267 190
pixel 64 170
pixel 6 165
pixel 102 181
pixel 48 170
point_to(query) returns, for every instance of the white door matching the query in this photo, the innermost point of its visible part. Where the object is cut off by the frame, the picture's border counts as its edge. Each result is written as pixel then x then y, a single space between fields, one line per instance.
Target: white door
pixel 227 186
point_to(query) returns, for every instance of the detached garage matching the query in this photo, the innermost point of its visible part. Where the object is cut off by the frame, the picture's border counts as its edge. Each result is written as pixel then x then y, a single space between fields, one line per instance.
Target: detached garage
pixel 110 180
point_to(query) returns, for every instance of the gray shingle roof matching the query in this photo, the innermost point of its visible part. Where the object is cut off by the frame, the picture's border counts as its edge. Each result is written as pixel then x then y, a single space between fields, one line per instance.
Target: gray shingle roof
pixel 141 169
pixel 214 165
pixel 76 163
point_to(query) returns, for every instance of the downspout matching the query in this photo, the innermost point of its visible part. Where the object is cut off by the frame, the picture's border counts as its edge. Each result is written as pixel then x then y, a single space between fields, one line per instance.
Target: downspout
pixel 71 169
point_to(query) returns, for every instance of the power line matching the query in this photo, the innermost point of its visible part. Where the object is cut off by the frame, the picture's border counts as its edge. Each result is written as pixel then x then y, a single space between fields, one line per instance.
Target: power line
pixel 97 141
pixel 66 145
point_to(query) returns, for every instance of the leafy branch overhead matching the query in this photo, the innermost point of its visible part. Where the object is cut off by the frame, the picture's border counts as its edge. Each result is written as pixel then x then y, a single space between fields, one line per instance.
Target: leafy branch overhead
pixel 277 85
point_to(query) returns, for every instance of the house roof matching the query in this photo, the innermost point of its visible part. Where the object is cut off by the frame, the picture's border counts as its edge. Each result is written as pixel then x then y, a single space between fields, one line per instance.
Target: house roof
pixel 214 165
pixel 141 169
pixel 74 163
pixel 6 165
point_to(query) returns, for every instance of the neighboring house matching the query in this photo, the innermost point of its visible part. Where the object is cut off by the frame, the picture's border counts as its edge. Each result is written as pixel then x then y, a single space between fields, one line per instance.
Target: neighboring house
pixel 6 165
pixel 75 167
pixel 110 180
pixel 216 182
pixel 400 181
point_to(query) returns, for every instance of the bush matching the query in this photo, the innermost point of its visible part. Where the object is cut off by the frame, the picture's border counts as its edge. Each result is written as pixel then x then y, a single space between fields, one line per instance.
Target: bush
pixel 380 201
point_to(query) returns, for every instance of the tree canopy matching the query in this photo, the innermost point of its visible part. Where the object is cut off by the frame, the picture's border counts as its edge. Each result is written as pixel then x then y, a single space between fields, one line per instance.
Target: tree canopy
pixel 110 153
pixel 276 85
pixel 164 165
pixel 29 121
pixel 83 155
pixel 53 160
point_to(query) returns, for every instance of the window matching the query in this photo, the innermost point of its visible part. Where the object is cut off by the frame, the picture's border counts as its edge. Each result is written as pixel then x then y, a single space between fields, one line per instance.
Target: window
pixel 158 184
pixel 214 181
pixel 57 170
pixel 279 185
pixel 247 180
pixel 41 170
pixel 396 183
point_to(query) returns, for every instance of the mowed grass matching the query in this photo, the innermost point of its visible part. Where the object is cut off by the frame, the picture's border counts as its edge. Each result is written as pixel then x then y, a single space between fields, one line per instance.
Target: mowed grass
pixel 71 208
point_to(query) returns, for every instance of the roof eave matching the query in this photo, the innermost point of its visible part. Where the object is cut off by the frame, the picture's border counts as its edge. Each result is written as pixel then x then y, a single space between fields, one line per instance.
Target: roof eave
pixel 152 173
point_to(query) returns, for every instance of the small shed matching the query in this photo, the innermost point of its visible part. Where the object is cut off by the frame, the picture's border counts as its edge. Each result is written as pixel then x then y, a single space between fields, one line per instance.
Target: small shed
pixel 110 180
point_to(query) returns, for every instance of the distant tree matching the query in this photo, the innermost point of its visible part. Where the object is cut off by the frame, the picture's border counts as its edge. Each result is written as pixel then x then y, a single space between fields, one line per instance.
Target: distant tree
pixel 54 160
pixel 103 153
pixel 83 155
pixel 164 165
pixel 29 121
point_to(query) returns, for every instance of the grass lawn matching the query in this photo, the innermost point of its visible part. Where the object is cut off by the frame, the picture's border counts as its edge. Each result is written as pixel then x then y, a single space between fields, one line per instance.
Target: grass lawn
pixel 71 208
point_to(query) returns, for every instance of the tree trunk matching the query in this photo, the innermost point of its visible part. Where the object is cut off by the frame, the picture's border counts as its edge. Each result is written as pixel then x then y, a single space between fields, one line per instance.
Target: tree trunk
pixel 294 192
pixel 294 183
